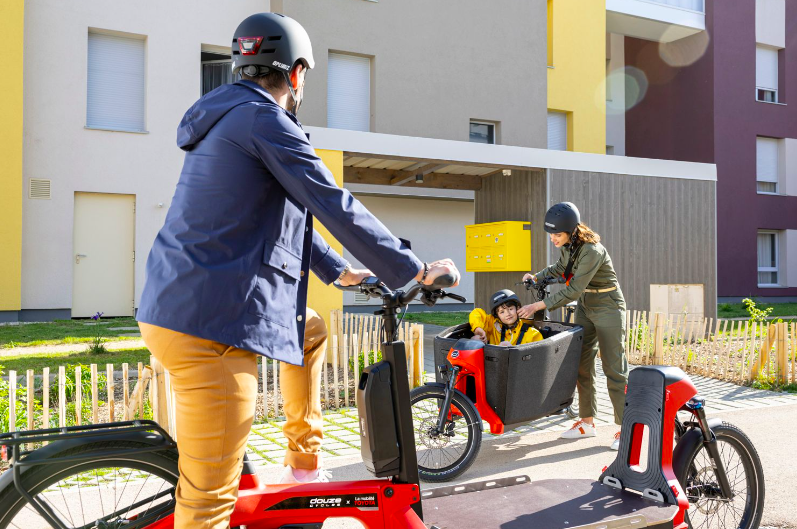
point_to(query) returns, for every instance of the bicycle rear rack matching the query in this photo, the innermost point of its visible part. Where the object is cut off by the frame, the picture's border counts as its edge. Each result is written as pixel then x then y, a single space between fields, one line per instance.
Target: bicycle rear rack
pixel 22 458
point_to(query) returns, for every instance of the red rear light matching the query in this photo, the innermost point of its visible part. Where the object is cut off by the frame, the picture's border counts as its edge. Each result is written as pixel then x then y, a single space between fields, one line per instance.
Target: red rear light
pixel 4 453
pixel 249 45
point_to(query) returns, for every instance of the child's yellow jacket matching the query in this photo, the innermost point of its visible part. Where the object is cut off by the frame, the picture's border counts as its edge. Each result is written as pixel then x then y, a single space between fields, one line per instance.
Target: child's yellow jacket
pixel 493 327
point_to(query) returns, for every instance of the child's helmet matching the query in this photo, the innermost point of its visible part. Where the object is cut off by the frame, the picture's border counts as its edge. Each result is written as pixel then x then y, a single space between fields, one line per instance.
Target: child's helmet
pixel 501 297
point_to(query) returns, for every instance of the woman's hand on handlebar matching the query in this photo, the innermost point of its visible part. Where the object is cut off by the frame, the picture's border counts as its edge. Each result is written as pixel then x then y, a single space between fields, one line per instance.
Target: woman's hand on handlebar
pixel 479 334
pixel 355 277
pixel 527 311
pixel 529 276
pixel 437 269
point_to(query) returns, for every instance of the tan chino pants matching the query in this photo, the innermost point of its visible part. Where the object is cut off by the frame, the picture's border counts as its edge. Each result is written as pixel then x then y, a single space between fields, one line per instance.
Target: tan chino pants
pixel 215 389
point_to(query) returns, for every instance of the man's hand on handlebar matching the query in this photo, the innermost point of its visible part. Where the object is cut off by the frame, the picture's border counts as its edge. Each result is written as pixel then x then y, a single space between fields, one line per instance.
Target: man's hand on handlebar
pixel 437 269
pixel 527 311
pixel 355 277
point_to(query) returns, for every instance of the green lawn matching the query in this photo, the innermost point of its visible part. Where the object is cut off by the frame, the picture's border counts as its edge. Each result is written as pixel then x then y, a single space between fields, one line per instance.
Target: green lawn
pixel 446 319
pixel 737 310
pixel 36 362
pixel 60 332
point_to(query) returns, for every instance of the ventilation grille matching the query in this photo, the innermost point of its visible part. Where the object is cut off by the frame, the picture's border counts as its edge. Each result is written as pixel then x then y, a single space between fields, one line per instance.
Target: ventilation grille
pixel 360 298
pixel 39 188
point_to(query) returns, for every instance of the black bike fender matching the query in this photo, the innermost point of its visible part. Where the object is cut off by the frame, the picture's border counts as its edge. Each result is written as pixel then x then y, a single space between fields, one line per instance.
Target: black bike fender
pixel 688 445
pixel 52 450
pixel 458 392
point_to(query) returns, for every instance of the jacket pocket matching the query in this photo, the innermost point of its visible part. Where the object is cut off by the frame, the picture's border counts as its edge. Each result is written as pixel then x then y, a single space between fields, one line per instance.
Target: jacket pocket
pixel 276 291
pixel 283 260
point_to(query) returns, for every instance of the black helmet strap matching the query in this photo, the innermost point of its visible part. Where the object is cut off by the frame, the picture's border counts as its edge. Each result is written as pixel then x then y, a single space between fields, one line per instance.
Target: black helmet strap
pixel 296 101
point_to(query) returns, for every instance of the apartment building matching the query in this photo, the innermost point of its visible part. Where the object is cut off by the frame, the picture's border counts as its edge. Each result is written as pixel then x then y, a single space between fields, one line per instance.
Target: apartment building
pixel 725 96
pixel 433 122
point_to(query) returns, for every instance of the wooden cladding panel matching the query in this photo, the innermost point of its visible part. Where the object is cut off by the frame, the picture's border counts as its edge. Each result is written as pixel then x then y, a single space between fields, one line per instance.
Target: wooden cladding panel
pixel 657 230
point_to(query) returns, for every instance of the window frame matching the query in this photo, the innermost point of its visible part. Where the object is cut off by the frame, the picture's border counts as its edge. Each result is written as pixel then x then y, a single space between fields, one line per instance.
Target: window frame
pixel 492 124
pixel 777 171
pixel 769 269
pixel 144 39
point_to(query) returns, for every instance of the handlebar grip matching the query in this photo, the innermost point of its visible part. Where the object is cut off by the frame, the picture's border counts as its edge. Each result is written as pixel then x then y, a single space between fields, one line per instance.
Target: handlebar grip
pixel 457 297
pixel 443 281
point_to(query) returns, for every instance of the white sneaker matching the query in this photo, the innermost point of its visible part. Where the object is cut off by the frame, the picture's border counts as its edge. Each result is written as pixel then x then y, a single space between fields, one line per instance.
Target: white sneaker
pixel 318 476
pixel 578 430
pixel 616 442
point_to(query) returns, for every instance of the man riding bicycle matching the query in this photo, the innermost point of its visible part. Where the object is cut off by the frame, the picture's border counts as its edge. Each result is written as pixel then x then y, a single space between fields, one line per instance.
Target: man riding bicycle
pixel 227 274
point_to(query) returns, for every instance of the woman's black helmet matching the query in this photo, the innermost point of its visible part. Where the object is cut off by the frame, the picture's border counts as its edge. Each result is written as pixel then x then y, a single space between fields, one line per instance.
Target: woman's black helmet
pixel 501 297
pixel 270 41
pixel 562 217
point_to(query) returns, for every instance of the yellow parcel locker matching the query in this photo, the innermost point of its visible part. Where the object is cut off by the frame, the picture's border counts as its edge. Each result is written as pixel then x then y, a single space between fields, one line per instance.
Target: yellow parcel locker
pixel 498 246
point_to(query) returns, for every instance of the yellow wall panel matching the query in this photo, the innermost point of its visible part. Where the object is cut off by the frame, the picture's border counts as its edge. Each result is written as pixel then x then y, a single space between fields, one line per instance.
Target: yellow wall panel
pixel 323 298
pixel 577 75
pixel 11 32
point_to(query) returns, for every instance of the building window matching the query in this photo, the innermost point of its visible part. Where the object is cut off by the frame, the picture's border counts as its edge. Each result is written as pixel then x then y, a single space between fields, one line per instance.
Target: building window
pixel 482 132
pixel 766 74
pixel 349 92
pixel 116 91
pixel 767 258
pixel 216 71
pixel 557 131
pixel 767 165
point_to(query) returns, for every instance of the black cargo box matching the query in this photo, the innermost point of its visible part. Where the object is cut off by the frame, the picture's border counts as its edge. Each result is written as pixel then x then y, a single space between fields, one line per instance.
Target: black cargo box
pixel 525 382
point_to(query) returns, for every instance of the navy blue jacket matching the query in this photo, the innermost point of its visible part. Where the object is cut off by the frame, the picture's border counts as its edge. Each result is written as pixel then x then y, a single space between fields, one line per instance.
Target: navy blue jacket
pixel 231 261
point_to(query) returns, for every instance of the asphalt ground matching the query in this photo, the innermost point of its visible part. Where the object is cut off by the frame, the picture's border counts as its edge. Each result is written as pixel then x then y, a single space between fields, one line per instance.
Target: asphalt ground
pixel 542 455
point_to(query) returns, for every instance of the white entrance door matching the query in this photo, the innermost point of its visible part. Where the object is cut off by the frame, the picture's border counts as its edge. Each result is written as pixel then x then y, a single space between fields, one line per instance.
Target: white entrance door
pixel 103 244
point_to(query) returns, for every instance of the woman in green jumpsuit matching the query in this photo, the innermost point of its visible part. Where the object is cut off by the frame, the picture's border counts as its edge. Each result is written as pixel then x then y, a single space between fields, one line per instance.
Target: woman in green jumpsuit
pixel 591 280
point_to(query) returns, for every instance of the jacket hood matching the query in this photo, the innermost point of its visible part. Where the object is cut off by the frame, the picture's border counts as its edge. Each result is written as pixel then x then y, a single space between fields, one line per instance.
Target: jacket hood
pixel 213 106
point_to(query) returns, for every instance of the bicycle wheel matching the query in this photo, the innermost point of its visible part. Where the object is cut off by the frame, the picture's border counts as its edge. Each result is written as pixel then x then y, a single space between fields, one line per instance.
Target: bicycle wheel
pixel 707 507
pixel 442 456
pixel 105 492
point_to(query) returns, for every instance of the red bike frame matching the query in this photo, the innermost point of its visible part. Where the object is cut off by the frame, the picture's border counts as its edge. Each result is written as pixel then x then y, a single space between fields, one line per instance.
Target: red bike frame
pixel 377 504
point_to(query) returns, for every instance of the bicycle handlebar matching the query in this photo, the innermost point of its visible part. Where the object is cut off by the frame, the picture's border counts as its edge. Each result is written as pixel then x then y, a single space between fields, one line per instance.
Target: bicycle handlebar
pixel 375 288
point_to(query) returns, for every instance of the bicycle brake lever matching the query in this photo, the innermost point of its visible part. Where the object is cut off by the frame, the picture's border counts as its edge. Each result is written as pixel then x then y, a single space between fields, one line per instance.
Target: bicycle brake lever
pixel 457 297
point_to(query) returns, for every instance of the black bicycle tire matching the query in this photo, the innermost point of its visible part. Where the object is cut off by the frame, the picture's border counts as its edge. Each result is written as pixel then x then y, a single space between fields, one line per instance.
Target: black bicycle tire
pixel 727 432
pixel 474 434
pixel 39 477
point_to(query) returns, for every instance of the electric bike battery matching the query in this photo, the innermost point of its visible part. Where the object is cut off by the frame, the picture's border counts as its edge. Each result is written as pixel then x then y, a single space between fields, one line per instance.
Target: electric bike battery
pixel 525 382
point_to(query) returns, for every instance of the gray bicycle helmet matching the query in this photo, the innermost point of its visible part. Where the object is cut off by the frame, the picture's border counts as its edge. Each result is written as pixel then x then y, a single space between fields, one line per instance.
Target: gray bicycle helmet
pixel 501 297
pixel 562 217
pixel 269 41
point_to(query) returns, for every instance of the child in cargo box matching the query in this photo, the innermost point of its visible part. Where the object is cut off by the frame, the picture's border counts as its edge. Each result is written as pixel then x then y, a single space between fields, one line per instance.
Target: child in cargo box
pixel 502 326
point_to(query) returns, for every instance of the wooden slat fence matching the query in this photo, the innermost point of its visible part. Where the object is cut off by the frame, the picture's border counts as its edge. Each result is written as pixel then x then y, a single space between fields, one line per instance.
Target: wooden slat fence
pixel 733 350
pixel 45 399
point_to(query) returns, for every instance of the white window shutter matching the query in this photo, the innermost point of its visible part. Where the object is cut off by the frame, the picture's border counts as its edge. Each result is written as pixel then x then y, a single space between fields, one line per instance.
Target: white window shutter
pixel 766 68
pixel 766 159
pixel 349 92
pixel 557 131
pixel 116 82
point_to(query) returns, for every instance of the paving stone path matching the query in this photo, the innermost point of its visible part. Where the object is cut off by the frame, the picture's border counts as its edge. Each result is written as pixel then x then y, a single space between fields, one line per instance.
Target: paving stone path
pixel 267 445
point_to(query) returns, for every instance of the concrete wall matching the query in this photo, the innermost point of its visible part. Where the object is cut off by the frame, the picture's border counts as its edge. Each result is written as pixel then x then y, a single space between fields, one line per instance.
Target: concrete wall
pixel 11 114
pixel 58 147
pixel 435 227
pixel 577 75
pixel 436 65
